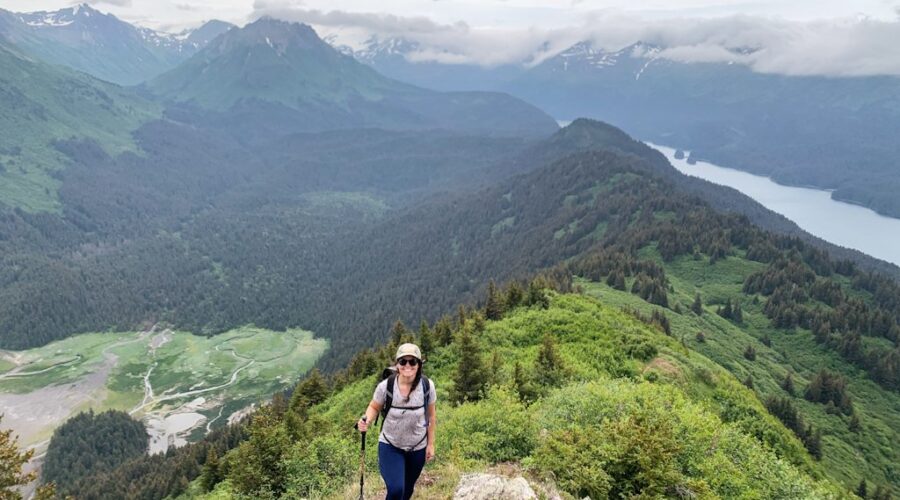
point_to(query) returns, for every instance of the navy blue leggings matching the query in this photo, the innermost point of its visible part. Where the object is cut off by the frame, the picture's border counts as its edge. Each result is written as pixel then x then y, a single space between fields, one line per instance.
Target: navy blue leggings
pixel 400 470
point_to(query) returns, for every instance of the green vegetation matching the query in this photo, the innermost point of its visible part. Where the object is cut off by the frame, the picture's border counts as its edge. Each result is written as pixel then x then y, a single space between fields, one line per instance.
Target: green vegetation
pixel 43 104
pixel 636 412
pixel 211 376
pixel 90 443
pixel 792 353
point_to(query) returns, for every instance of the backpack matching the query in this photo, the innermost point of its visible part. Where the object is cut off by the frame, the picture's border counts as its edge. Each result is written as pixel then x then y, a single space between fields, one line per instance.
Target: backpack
pixel 390 374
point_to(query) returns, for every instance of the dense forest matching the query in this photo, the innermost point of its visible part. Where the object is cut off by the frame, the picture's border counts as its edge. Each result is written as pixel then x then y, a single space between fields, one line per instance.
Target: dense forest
pixel 89 444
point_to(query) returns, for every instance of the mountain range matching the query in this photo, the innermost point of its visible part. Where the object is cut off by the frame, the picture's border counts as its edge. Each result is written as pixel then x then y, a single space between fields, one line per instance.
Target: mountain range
pixel 267 178
pixel 102 45
pixel 831 133
pixel 293 72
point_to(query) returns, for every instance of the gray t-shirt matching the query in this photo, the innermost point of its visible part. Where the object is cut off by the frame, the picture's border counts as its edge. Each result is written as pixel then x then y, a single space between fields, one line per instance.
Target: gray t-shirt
pixel 404 429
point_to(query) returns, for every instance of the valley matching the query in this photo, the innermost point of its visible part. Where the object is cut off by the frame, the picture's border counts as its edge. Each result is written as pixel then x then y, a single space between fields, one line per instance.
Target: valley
pixel 181 385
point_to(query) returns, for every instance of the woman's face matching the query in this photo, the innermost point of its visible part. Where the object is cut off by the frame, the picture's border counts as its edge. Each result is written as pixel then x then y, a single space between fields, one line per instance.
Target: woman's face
pixel 407 366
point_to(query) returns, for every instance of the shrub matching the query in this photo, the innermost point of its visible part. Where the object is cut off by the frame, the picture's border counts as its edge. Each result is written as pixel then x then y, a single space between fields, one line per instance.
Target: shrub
pixel 319 467
pixel 496 429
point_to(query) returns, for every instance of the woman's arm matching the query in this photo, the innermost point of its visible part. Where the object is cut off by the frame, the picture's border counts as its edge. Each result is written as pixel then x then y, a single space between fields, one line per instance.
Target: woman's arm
pixel 371 412
pixel 432 427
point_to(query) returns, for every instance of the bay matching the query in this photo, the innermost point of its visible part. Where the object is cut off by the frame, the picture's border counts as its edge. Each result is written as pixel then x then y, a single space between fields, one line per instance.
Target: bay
pixel 814 210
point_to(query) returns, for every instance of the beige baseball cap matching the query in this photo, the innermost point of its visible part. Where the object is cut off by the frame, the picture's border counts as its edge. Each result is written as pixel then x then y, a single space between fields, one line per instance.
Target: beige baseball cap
pixel 408 350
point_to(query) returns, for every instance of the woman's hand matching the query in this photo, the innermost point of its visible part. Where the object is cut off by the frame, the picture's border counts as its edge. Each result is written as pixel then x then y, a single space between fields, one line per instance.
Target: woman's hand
pixel 429 453
pixel 362 425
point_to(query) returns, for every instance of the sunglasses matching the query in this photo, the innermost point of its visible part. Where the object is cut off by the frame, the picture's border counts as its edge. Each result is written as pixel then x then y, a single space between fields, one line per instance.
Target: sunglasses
pixel 408 361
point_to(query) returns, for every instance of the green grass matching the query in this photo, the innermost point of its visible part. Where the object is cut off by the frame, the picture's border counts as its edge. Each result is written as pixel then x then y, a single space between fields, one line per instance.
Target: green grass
pixel 847 456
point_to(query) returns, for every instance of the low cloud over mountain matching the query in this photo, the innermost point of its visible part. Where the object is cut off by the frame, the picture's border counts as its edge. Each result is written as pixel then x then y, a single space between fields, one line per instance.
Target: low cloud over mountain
pixel 859 46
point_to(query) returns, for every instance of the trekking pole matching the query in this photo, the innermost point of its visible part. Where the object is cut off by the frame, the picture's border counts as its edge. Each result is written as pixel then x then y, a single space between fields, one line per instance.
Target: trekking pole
pixel 362 461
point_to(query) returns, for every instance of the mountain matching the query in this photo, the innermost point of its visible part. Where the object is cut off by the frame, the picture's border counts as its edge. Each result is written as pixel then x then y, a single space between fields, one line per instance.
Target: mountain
pixel 395 58
pixel 722 112
pixel 43 104
pixel 798 130
pixel 274 76
pixel 102 45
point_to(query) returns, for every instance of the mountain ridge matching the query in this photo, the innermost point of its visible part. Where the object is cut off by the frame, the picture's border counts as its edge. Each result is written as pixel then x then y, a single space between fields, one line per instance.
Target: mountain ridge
pixel 85 39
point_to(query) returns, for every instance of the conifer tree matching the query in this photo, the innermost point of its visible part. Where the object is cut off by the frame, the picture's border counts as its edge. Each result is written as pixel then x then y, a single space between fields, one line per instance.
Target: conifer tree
pixel 514 295
pixel 549 367
pixel 748 382
pixel 701 337
pixel 310 392
pixel 750 353
pixel 854 425
pixel 861 490
pixel 426 339
pixel 478 323
pixel 697 305
pixel 443 331
pixel 461 316
pixel 210 475
pixel 399 333
pixel 470 379
pixel 788 384
pixel 524 388
pixel 496 368
pixel 537 296
pixel 493 308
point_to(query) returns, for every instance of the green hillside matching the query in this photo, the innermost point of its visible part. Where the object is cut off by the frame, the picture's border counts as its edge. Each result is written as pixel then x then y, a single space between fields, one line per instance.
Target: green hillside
pixel 42 104
pixel 621 408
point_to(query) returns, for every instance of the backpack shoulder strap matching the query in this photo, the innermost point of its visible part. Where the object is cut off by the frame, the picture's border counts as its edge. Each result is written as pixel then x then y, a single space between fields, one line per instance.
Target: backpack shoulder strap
pixel 426 387
pixel 388 397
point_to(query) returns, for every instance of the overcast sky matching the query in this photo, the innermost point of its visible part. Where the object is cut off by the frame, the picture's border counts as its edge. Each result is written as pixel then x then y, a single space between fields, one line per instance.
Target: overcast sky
pixel 830 37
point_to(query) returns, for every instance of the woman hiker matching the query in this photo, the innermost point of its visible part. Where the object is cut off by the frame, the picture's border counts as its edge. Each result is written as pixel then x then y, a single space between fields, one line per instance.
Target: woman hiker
pixel 406 441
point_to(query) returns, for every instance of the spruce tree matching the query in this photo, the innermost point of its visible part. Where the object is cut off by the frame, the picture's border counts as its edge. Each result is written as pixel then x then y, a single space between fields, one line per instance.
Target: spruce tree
pixel 788 384
pixel 470 379
pixel 861 490
pixel 750 353
pixel 310 392
pixel 493 308
pixel 514 295
pixel 697 306
pixel 426 339
pixel 210 475
pixel 548 366
pixel 443 331
pixel 854 425
pixel 524 388
pixel 399 334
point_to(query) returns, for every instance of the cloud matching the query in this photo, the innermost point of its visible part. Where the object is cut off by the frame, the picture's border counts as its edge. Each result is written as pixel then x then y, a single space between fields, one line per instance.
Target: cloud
pixel 118 3
pixel 840 47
